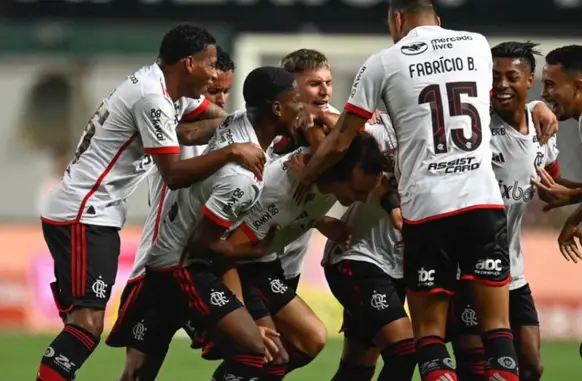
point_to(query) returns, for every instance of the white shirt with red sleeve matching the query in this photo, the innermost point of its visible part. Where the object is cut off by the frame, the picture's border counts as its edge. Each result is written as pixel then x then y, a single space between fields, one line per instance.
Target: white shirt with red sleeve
pixel 515 157
pixel 223 197
pixel 435 84
pixel 112 157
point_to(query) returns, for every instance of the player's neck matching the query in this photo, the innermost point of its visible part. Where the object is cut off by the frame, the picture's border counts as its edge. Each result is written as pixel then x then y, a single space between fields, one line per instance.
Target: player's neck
pixel 418 21
pixel 517 119
pixel 172 82
pixel 264 129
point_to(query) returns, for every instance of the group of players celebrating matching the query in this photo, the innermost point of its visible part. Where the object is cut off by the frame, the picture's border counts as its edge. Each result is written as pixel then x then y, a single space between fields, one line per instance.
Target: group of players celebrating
pixel 442 178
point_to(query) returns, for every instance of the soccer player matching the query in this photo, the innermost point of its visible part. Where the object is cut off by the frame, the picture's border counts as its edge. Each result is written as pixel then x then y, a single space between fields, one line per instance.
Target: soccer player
pixel 446 183
pixel 185 263
pixel 366 278
pixel 132 129
pixel 133 303
pixel 517 154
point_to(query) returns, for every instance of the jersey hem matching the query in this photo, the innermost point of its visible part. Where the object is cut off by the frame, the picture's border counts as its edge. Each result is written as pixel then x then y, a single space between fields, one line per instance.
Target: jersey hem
pixel 162 150
pixel 454 212
pixel 358 111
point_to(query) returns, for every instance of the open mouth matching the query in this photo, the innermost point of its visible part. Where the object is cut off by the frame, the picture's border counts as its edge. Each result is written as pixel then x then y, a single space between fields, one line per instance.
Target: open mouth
pixel 503 98
pixel 320 104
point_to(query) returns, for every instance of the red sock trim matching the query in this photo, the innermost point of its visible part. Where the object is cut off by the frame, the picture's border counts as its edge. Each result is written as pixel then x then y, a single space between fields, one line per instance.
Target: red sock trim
pixel 46 373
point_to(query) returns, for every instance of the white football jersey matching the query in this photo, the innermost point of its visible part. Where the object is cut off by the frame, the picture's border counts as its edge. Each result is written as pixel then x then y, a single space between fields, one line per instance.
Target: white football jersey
pixel 293 255
pixel 112 158
pixel 276 206
pixel 223 197
pixel 374 239
pixel 515 158
pixel 157 192
pixel 435 85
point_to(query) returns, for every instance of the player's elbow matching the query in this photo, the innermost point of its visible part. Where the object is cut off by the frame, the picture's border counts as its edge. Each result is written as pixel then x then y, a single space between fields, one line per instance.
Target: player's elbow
pixel 173 180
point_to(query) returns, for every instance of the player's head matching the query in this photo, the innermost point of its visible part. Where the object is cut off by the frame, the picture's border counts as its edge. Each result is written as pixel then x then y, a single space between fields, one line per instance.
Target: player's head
pixel 191 51
pixel 562 81
pixel 405 15
pixel 219 92
pixel 514 65
pixel 272 93
pixel 312 72
pixel 357 173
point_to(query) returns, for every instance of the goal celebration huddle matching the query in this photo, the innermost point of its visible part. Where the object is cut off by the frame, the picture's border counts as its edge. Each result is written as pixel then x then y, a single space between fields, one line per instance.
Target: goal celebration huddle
pixel 432 164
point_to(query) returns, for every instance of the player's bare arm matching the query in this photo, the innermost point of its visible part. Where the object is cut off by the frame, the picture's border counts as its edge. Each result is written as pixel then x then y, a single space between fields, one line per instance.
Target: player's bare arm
pixel 197 133
pixel 183 173
pixel 333 147
pixel 334 229
pixel 545 121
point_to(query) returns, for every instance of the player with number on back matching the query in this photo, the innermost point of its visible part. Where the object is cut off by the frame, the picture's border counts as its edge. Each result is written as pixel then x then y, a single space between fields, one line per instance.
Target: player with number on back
pixel 81 222
pixel 144 361
pixel 435 85
pixel 517 153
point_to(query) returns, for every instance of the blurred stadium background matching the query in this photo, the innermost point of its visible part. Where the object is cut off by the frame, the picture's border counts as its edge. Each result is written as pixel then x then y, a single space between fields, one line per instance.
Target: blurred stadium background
pixel 58 58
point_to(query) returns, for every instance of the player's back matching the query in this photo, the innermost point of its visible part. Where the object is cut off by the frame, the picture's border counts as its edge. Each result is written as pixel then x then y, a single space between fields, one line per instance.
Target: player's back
pixel 437 95
pixel 112 155
pixel 184 207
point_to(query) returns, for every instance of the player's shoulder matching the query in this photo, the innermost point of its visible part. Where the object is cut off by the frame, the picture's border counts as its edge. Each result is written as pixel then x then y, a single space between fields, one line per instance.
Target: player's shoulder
pixel 233 176
pixel 146 83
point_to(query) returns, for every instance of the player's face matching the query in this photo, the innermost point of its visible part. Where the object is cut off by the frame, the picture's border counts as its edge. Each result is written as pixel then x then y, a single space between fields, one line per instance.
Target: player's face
pixel 315 87
pixel 219 91
pixel 560 91
pixel 286 111
pixel 511 81
pixel 358 188
pixel 200 72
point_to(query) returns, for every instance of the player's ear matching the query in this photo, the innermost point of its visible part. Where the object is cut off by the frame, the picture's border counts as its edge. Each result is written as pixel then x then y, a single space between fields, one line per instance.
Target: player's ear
pixel 438 21
pixel 578 86
pixel 276 108
pixel 530 79
pixel 188 64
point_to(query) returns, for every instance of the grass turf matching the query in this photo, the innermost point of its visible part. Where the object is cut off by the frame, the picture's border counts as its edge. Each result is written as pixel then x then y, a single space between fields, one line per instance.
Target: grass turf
pixel 20 354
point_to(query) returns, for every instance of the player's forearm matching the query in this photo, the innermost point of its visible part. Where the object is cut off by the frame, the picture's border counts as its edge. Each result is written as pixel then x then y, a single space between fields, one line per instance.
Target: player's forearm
pixel 576 217
pixel 330 119
pixel 567 183
pixel 330 151
pixel 183 173
pixel 231 280
pixel 197 133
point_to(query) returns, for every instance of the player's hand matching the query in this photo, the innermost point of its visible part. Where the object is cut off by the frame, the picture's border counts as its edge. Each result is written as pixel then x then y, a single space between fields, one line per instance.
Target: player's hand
pixel 557 203
pixel 271 347
pixel 568 246
pixel 335 230
pixel 307 116
pixel 375 117
pixel 545 122
pixel 547 184
pixel 250 156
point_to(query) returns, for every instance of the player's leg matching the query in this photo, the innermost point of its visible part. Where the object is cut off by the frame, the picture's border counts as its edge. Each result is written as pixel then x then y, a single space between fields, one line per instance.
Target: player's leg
pixel 465 335
pixel 430 276
pixel 358 361
pixel 526 329
pixel 482 251
pixel 304 334
pixel 85 267
pixel 215 308
pixel 369 295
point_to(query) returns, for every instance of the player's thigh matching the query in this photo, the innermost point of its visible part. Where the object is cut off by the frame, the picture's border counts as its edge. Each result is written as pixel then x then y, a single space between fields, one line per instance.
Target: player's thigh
pixel 267 279
pixel 429 265
pixel 482 248
pixel 213 307
pixel 368 294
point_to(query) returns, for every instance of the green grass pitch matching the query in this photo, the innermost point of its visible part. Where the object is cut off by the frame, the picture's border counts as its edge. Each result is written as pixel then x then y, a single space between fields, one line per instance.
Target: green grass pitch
pixel 20 354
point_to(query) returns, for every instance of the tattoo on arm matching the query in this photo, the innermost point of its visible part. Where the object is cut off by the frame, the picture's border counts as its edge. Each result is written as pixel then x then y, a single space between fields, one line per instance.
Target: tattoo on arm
pixel 197 133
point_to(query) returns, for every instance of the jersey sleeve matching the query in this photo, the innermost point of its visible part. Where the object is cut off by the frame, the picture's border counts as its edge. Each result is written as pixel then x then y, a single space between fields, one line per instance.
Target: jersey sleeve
pixel 154 118
pixel 231 197
pixel 259 221
pixel 367 88
pixel 195 108
pixel 551 158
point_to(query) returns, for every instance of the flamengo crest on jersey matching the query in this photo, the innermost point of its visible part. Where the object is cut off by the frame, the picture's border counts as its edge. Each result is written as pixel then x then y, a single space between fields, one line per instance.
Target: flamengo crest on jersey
pixel 435 85
pixel 113 155
pixel 222 197
pixel 374 239
pixel 515 157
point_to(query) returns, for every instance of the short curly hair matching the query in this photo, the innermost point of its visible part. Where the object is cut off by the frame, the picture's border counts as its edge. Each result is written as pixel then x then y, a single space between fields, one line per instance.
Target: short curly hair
pixel 569 57
pixel 184 40
pixel 301 60
pixel 265 84
pixel 224 62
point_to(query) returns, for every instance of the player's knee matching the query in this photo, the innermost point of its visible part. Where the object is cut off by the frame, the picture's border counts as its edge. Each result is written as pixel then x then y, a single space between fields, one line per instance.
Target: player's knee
pixel 316 339
pixel 90 319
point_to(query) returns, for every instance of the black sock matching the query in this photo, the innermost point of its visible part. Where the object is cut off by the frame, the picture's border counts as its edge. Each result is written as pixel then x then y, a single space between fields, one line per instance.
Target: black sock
pixel 470 364
pixel 274 372
pixel 500 354
pixel 244 367
pixel 399 361
pixel 434 361
pixel 350 372
pixel 219 372
pixel 66 354
pixel 297 358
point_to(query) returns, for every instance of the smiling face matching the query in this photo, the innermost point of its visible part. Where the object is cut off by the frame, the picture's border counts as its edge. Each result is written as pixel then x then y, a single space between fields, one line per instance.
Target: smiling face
pixel 219 92
pixel 561 91
pixel 512 78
